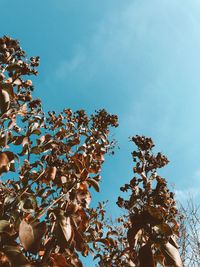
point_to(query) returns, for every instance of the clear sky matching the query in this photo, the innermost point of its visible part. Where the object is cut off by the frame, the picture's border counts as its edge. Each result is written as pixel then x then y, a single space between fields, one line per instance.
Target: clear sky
pixel 139 59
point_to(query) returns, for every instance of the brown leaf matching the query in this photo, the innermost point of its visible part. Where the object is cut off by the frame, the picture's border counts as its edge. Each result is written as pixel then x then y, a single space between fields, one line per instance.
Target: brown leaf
pixel 64 231
pixel 81 220
pixel 72 208
pixel 15 256
pixel 156 213
pixel 36 131
pixel 93 183
pixel 79 240
pixel 172 256
pixel 25 141
pixel 23 110
pixel 159 258
pixel 173 241
pixel 49 175
pixel 30 235
pixel 9 89
pixel 133 234
pixel 146 256
pixel 17 82
pixel 17 140
pixel 58 260
pixel 36 150
pixel 6 227
pixel 4 261
pixel 65 224
pixel 163 228
pixel 83 195
pixel 5 160
pixel 28 83
pixel 25 149
pixel 4 101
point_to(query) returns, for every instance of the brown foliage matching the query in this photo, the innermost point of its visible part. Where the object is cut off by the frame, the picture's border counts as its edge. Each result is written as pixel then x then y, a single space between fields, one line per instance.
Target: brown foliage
pixel 49 162
pixel 45 217
pixel 146 235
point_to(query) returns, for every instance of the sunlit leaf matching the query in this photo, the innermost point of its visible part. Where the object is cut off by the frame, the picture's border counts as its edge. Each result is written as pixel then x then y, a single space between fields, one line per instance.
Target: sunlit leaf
pixel 5 160
pixel 4 101
pixel 172 256
pixel 30 235
pixel 94 184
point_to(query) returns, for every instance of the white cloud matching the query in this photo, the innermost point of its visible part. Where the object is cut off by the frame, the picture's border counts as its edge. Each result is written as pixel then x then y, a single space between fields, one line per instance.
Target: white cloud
pixel 148 53
pixel 146 57
pixel 187 194
pixel 143 42
pixel 71 64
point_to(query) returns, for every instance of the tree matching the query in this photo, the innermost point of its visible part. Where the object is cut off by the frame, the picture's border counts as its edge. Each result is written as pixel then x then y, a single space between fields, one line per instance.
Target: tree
pixel 48 163
pixel 146 235
pixel 189 232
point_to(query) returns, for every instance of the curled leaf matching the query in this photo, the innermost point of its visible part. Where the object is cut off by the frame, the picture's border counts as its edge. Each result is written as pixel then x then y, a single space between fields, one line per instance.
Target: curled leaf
pixel 4 101
pixel 93 183
pixel 5 160
pixel 172 256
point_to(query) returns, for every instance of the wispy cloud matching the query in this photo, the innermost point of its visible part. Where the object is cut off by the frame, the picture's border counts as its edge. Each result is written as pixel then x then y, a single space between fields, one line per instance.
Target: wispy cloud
pixel 72 64
pixel 186 195
pixel 192 191
pixel 142 61
pixel 144 50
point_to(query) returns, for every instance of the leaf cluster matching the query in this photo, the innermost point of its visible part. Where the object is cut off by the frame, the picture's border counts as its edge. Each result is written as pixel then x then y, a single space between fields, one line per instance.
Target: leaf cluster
pixel 48 163
pixel 149 229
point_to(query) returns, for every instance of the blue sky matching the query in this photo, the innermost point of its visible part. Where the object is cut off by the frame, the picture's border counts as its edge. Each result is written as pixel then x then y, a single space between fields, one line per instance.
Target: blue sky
pixel 138 59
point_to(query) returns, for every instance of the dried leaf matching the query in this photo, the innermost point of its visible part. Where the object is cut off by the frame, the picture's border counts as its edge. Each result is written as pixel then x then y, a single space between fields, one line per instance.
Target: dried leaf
pixel 133 234
pixel 173 241
pixel 36 131
pixel 17 81
pixel 172 256
pixel 4 101
pixel 6 227
pixel 15 256
pixel 51 173
pixel 163 228
pixel 93 183
pixel 64 231
pixel 5 160
pixel 66 227
pixel 58 260
pixel 146 256
pixel 36 150
pixel 17 140
pixel 30 235
pixel 79 240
